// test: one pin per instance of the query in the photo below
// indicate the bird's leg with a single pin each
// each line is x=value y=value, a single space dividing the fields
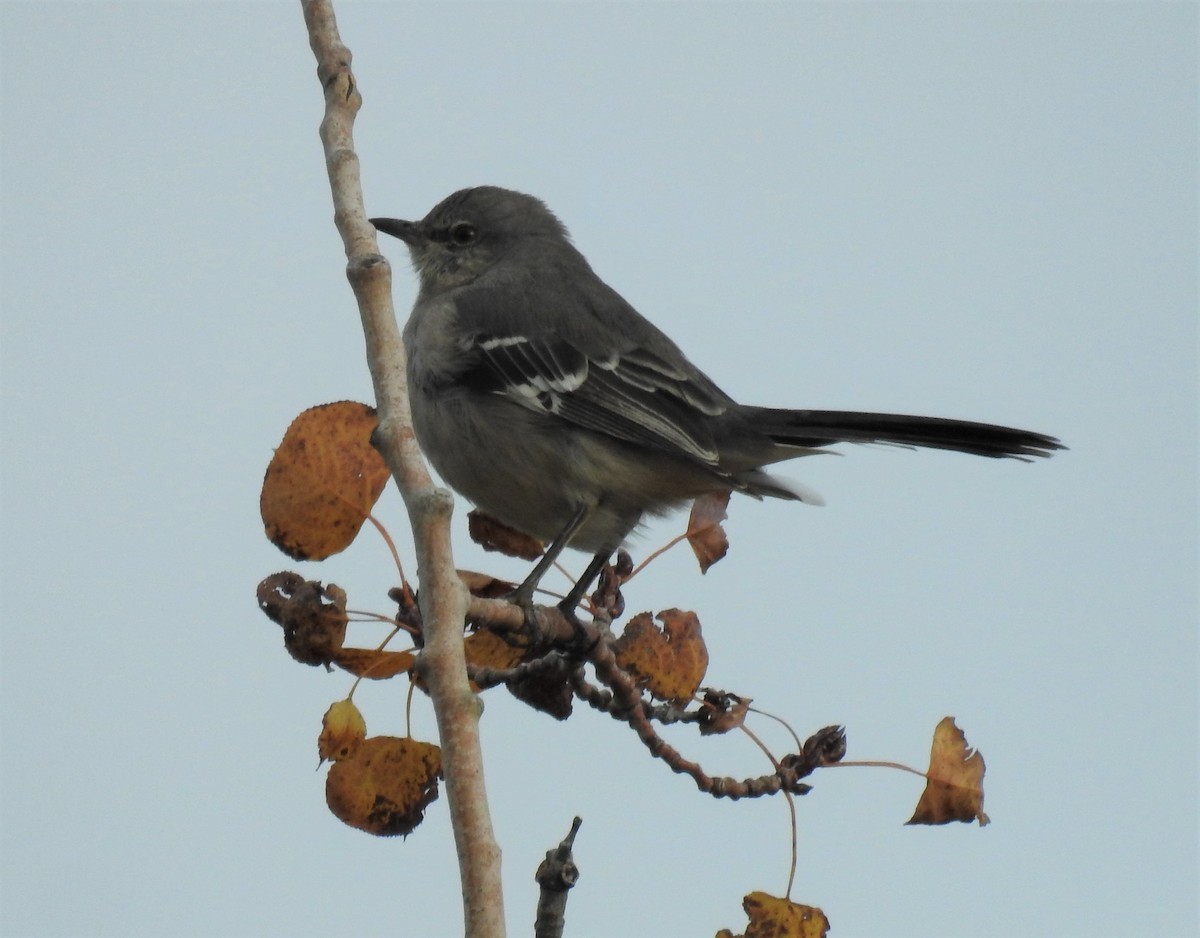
x=523 y=594
x=568 y=606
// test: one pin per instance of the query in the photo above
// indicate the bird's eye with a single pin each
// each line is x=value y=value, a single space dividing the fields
x=462 y=233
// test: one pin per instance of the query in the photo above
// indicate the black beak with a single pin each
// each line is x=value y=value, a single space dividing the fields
x=406 y=231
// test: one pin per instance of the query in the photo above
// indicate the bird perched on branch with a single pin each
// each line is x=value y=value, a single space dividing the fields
x=542 y=396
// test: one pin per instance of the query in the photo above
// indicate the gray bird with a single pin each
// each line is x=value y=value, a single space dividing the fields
x=549 y=402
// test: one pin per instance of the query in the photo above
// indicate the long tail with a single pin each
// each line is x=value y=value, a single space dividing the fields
x=825 y=427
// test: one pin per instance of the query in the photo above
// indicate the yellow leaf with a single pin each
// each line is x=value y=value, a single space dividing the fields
x=772 y=917
x=342 y=729
x=954 y=786
x=385 y=785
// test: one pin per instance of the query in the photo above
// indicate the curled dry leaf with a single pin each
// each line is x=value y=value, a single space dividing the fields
x=607 y=596
x=384 y=787
x=322 y=481
x=547 y=689
x=342 y=729
x=705 y=533
x=824 y=747
x=772 y=917
x=670 y=663
x=493 y=535
x=313 y=616
x=954 y=787
x=372 y=664
x=721 y=711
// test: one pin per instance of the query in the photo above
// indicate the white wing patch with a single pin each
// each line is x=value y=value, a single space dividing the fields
x=635 y=396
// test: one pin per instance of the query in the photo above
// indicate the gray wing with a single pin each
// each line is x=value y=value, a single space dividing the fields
x=595 y=374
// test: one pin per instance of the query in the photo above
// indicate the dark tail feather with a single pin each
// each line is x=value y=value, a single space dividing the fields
x=825 y=427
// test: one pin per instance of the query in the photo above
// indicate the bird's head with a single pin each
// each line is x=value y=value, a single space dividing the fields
x=469 y=231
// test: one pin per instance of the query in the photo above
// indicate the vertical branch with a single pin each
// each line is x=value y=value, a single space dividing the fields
x=443 y=597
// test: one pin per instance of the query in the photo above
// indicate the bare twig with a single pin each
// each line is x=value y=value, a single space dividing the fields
x=623 y=701
x=556 y=875
x=443 y=598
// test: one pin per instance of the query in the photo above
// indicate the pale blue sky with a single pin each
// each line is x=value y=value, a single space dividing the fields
x=973 y=210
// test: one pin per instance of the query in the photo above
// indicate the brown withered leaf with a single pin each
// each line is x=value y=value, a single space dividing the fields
x=322 y=481
x=384 y=787
x=772 y=917
x=721 y=711
x=494 y=535
x=607 y=596
x=954 y=787
x=484 y=585
x=374 y=665
x=824 y=747
x=342 y=729
x=548 y=691
x=313 y=616
x=670 y=663
x=704 y=531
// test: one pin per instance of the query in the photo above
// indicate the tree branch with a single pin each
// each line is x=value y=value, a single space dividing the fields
x=556 y=875
x=442 y=596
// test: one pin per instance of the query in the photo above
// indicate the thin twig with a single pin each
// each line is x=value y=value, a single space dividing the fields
x=443 y=597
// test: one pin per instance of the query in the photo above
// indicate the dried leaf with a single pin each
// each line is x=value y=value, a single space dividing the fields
x=772 y=917
x=385 y=786
x=486 y=649
x=546 y=689
x=484 y=585
x=374 y=665
x=954 y=788
x=824 y=747
x=494 y=535
x=313 y=616
x=704 y=531
x=607 y=596
x=670 y=663
x=322 y=481
x=342 y=729
x=721 y=712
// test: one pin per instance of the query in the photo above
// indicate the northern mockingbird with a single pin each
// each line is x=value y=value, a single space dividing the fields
x=543 y=397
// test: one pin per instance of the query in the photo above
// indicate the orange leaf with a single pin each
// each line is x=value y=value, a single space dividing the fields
x=954 y=786
x=384 y=787
x=772 y=917
x=704 y=531
x=669 y=663
x=322 y=481
x=342 y=729
x=374 y=665
x=494 y=535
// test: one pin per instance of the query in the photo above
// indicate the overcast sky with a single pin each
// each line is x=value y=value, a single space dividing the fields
x=972 y=210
